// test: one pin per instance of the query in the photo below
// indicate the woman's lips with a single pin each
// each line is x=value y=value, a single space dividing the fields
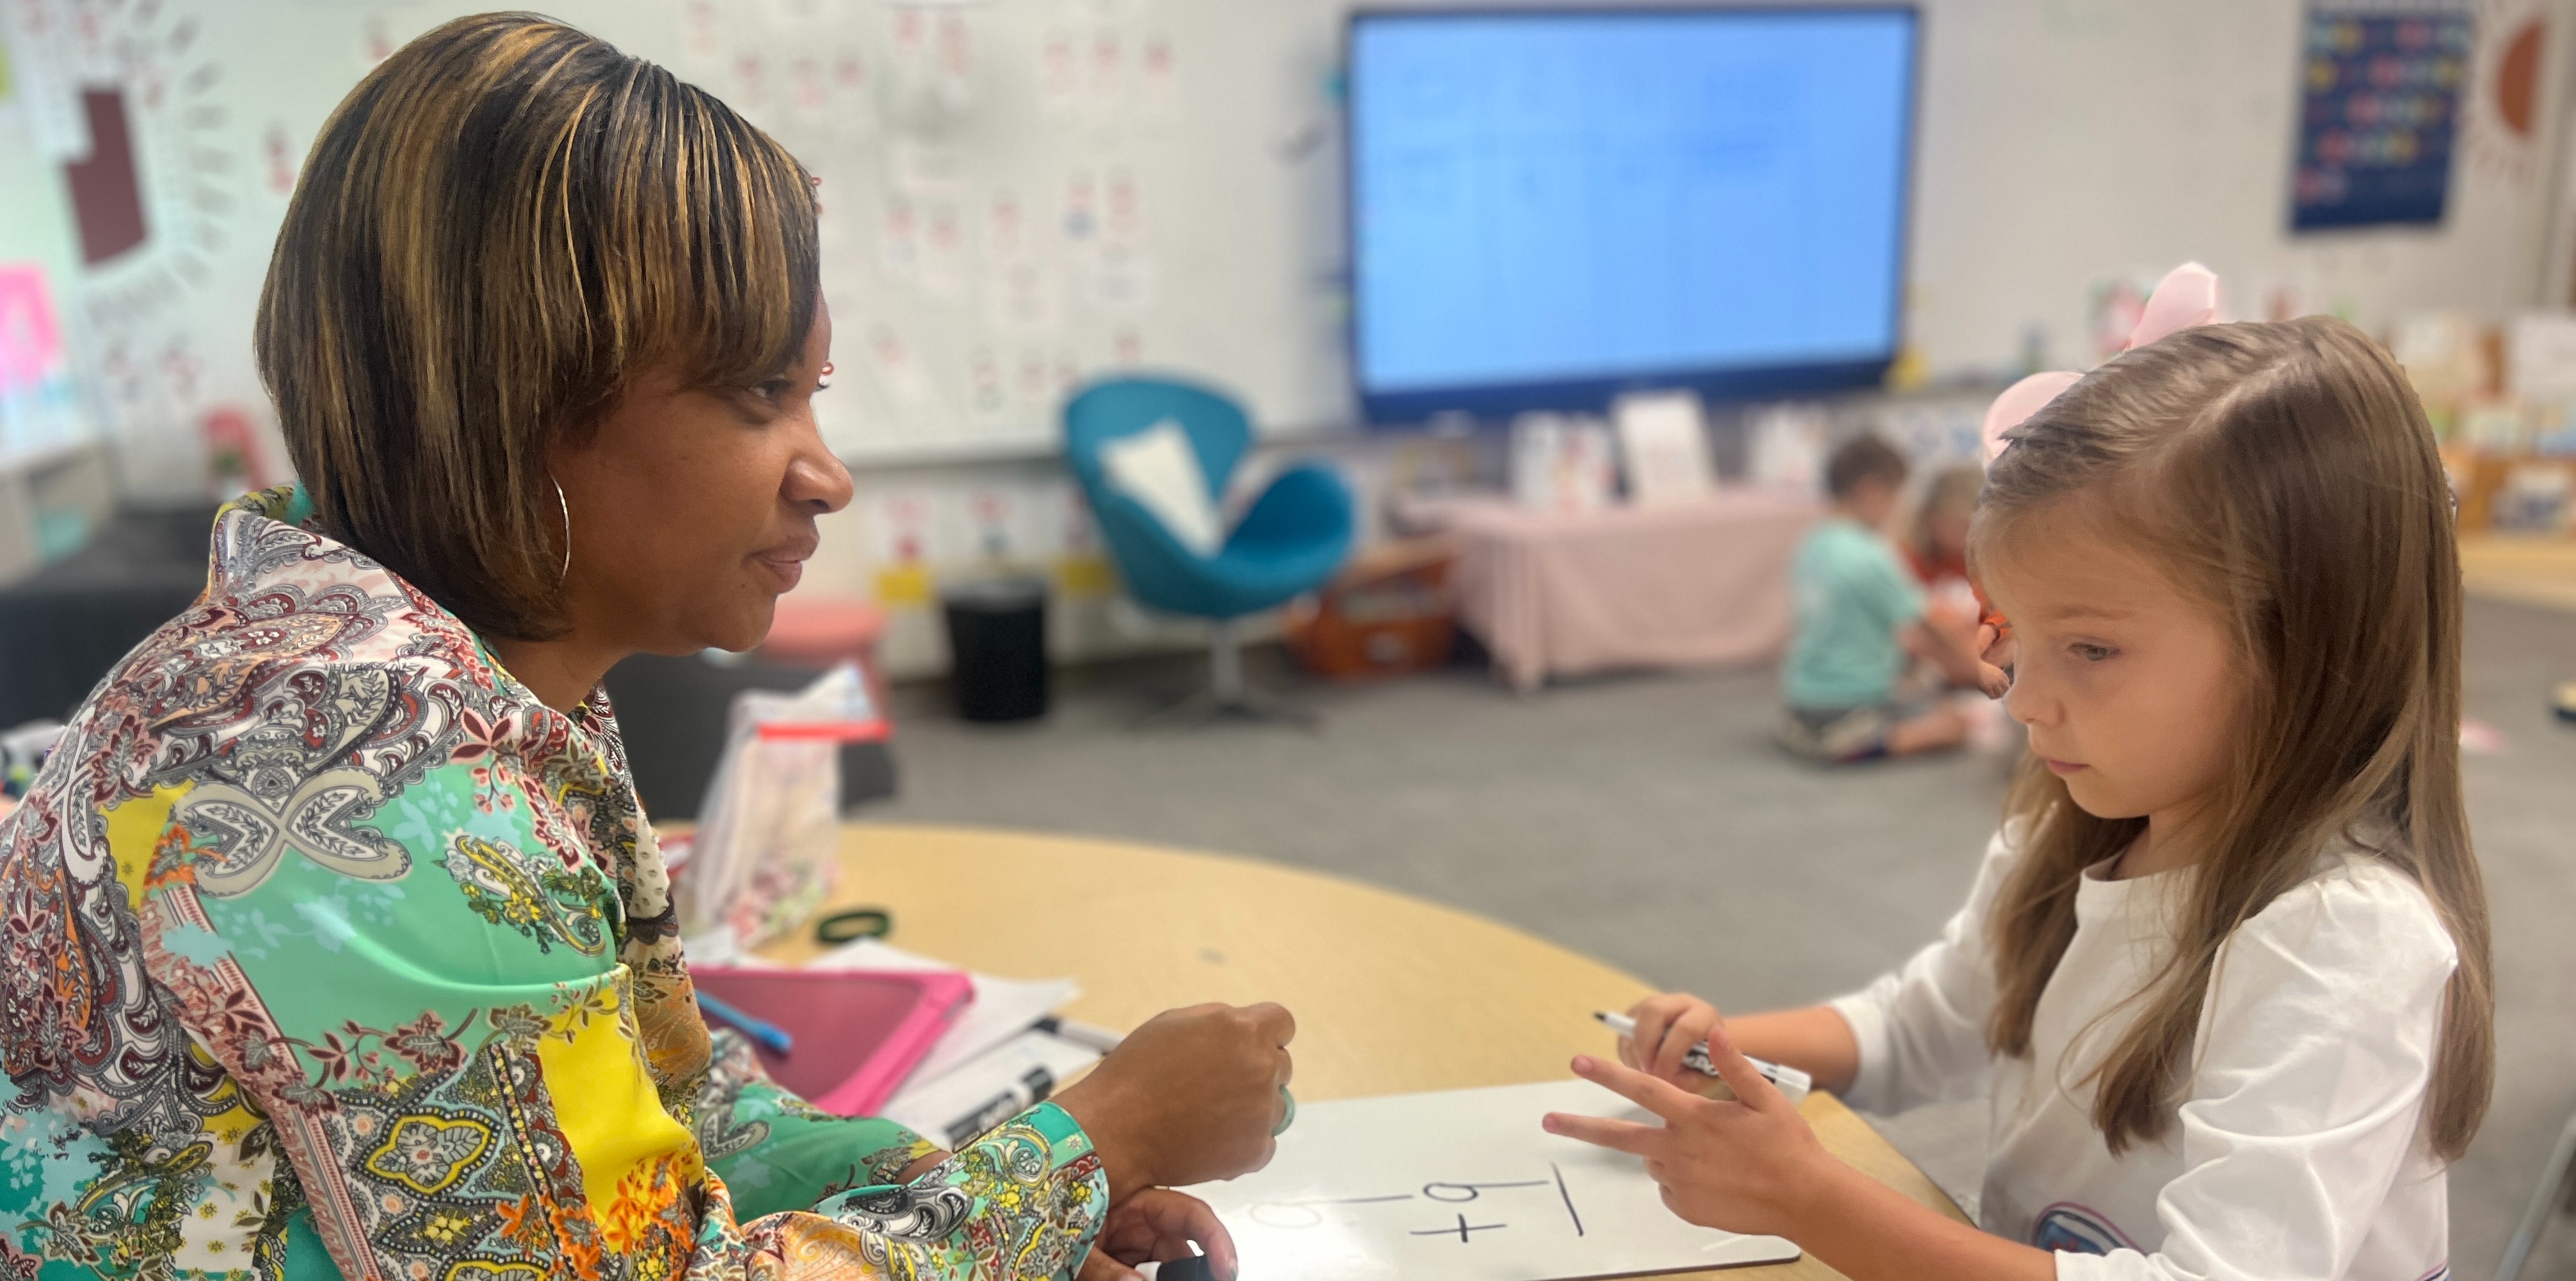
x=783 y=574
x=784 y=566
x=2063 y=768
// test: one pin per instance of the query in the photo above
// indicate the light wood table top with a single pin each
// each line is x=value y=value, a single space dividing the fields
x=1392 y=994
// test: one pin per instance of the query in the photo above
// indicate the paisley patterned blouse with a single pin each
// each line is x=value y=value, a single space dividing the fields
x=319 y=933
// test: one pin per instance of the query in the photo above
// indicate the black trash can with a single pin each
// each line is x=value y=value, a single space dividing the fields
x=997 y=661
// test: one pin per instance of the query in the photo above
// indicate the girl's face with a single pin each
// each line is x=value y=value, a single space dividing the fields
x=2130 y=688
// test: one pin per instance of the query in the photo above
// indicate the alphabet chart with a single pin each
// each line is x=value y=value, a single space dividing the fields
x=1463 y=1186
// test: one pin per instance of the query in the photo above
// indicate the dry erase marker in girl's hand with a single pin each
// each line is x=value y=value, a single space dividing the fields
x=1793 y=1083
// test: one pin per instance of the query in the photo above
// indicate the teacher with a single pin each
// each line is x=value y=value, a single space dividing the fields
x=332 y=928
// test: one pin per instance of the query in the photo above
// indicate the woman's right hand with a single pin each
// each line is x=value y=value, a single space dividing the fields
x=1667 y=1027
x=1191 y=1096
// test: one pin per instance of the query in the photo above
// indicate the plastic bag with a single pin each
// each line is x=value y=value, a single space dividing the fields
x=769 y=836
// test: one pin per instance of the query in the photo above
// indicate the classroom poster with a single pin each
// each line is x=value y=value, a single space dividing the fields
x=2381 y=85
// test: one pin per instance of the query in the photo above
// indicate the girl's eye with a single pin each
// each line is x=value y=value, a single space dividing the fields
x=2091 y=653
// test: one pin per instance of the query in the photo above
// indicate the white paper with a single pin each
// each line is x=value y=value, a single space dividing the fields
x=1560 y=464
x=1462 y=1186
x=1059 y=74
x=2542 y=363
x=1002 y=1008
x=992 y=1088
x=943 y=253
x=1663 y=440
x=1787 y=449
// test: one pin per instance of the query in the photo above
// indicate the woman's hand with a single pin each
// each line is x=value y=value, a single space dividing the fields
x=1749 y=1164
x=1157 y=1223
x=1191 y=1096
x=1667 y=1027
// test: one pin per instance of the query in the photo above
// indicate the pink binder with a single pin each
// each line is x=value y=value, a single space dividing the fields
x=858 y=1032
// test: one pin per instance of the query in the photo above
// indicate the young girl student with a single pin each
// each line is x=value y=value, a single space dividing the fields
x=2223 y=977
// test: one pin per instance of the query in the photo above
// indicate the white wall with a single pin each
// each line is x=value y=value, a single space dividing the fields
x=2062 y=143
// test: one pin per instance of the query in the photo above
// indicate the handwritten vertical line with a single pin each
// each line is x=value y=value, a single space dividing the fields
x=1568 y=1196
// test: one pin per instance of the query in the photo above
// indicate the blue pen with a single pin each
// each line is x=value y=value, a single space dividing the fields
x=770 y=1036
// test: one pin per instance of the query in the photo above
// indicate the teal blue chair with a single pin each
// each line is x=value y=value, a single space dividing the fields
x=1291 y=541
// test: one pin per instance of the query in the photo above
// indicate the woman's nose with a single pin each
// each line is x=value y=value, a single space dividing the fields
x=818 y=480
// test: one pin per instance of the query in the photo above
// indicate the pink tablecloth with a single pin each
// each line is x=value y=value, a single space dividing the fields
x=1690 y=584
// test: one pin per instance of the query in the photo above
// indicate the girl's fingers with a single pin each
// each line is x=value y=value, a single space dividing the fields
x=1685 y=1033
x=1993 y=681
x=1600 y=1131
x=1752 y=1089
x=1653 y=1016
x=1652 y=1093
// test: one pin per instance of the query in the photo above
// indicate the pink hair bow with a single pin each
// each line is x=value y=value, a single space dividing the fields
x=2187 y=296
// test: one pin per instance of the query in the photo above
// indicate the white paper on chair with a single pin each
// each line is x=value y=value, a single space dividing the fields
x=1462 y=1185
x=1159 y=468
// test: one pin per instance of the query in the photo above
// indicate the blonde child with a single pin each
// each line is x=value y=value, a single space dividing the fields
x=2223 y=977
x=1936 y=539
x=1936 y=550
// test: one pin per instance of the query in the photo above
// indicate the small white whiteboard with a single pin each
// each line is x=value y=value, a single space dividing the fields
x=1462 y=1186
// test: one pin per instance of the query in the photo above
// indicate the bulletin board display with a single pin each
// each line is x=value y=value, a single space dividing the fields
x=1016 y=195
x=2380 y=95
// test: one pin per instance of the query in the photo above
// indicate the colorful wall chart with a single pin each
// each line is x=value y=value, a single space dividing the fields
x=2381 y=83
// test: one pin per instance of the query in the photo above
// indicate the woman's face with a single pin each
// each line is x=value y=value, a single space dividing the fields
x=692 y=511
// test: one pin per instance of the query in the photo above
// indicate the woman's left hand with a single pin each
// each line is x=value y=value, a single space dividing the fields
x=1157 y=1223
x=1749 y=1164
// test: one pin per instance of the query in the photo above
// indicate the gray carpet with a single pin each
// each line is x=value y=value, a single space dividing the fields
x=1647 y=821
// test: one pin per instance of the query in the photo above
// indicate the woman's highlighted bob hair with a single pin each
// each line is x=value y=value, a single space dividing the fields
x=496 y=230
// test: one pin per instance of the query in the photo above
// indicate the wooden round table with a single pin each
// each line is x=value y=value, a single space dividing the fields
x=1392 y=994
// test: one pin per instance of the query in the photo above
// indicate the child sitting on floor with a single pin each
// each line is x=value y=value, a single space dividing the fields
x=1936 y=550
x=1860 y=616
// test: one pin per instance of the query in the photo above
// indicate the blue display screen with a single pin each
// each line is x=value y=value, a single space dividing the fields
x=1554 y=197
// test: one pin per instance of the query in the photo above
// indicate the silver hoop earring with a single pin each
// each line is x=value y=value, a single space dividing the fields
x=566 y=509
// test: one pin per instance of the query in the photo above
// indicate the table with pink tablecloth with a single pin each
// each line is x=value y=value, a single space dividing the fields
x=1565 y=593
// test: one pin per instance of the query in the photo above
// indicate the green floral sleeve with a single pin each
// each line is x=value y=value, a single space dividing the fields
x=777 y=1152
x=1024 y=1200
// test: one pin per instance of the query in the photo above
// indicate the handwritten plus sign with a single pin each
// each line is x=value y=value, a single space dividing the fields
x=1464 y=1229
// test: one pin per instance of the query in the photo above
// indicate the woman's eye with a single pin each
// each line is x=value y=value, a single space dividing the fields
x=774 y=390
x=2091 y=653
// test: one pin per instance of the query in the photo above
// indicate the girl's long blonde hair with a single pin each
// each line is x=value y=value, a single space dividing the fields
x=2284 y=474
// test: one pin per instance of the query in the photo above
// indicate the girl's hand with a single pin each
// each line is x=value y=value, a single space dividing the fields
x=1994 y=658
x=1157 y=1223
x=1748 y=1165
x=1667 y=1027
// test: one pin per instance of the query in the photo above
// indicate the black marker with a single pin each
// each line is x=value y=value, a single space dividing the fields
x=1194 y=1268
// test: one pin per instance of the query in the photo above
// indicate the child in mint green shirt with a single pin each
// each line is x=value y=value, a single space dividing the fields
x=1860 y=625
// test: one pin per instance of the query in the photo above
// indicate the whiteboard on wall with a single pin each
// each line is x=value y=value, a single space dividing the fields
x=1017 y=195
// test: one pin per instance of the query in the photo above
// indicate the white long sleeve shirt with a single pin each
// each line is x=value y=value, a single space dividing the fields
x=2295 y=1153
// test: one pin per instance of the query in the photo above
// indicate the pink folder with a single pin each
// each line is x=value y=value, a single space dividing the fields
x=858 y=1032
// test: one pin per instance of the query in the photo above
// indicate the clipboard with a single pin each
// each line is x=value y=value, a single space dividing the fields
x=858 y=1033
